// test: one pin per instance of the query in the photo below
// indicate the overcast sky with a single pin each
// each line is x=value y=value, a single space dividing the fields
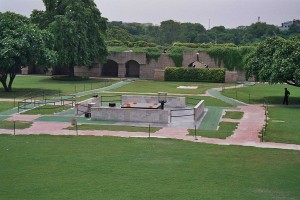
x=229 y=13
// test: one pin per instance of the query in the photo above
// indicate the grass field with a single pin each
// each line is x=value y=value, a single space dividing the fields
x=283 y=125
x=46 y=110
x=25 y=86
x=170 y=87
x=258 y=93
x=233 y=115
x=225 y=130
x=6 y=105
x=14 y=125
x=114 y=128
x=65 y=167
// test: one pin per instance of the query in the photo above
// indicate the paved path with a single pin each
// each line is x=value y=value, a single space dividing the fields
x=246 y=133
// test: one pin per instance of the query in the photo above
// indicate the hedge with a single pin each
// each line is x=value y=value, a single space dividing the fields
x=188 y=74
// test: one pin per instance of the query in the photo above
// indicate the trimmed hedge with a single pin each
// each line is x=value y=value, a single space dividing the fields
x=187 y=74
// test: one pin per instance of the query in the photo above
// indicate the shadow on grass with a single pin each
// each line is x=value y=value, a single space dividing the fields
x=21 y=93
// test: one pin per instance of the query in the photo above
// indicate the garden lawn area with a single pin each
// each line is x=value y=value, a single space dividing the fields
x=233 y=115
x=114 y=128
x=225 y=130
x=46 y=110
x=6 y=105
x=283 y=125
x=18 y=125
x=144 y=86
x=208 y=101
x=70 y=167
x=26 y=86
x=257 y=93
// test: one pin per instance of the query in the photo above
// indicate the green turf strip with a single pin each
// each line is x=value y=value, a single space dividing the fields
x=70 y=167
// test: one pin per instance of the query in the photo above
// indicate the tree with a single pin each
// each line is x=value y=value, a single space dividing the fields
x=169 y=31
x=79 y=31
x=21 y=44
x=276 y=60
x=118 y=33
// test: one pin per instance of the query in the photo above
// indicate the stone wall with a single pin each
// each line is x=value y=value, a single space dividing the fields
x=190 y=57
x=199 y=110
x=154 y=69
x=130 y=115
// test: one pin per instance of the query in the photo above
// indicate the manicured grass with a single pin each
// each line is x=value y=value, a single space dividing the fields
x=6 y=105
x=225 y=130
x=233 y=115
x=283 y=125
x=17 y=125
x=165 y=86
x=114 y=128
x=26 y=86
x=208 y=101
x=70 y=167
x=46 y=110
x=256 y=94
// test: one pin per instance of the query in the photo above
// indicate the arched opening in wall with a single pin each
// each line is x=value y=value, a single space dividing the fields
x=132 y=69
x=198 y=64
x=110 y=68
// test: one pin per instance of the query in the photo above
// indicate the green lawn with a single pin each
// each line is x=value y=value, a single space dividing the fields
x=17 y=125
x=46 y=110
x=208 y=101
x=144 y=86
x=25 y=86
x=233 y=115
x=70 y=167
x=5 y=105
x=283 y=125
x=225 y=130
x=114 y=128
x=257 y=93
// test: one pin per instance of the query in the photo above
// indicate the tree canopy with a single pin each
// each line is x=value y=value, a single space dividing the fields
x=21 y=44
x=276 y=60
x=79 y=31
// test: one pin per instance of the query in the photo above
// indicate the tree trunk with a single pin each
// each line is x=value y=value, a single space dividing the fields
x=3 y=81
x=12 y=77
x=71 y=71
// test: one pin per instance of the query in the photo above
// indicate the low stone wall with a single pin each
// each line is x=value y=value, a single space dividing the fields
x=130 y=115
x=174 y=102
x=199 y=110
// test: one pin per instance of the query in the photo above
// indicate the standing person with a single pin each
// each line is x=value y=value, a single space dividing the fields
x=286 y=96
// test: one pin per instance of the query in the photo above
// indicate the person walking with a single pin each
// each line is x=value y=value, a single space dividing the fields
x=286 y=96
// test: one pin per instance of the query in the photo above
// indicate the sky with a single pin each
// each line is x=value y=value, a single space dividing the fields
x=209 y=13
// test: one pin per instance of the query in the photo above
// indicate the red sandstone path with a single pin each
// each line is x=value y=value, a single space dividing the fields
x=246 y=133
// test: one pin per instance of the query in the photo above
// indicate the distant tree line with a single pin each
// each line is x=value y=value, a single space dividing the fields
x=171 y=31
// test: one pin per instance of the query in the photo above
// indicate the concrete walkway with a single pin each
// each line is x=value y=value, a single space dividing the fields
x=246 y=133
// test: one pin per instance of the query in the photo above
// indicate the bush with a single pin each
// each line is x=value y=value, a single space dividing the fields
x=186 y=74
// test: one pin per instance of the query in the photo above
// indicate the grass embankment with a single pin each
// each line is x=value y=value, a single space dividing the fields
x=14 y=125
x=6 y=105
x=258 y=93
x=283 y=125
x=233 y=115
x=143 y=86
x=114 y=128
x=70 y=167
x=46 y=110
x=27 y=86
x=225 y=130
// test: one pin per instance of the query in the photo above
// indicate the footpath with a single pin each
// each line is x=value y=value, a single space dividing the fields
x=246 y=133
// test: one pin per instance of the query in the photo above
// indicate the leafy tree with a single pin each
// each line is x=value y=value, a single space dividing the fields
x=78 y=29
x=169 y=31
x=118 y=33
x=21 y=44
x=276 y=60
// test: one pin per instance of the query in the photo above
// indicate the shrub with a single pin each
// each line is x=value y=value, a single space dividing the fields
x=186 y=74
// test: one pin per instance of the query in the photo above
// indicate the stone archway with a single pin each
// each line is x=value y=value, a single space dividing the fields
x=110 y=68
x=132 y=69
